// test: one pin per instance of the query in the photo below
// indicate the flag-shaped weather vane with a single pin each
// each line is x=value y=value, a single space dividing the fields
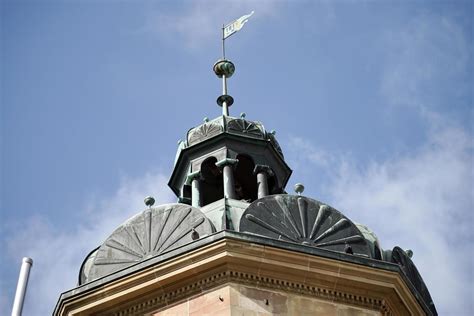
x=224 y=68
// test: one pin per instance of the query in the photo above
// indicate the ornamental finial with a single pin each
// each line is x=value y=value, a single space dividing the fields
x=224 y=68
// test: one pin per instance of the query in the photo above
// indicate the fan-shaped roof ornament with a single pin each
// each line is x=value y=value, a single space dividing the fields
x=150 y=233
x=305 y=221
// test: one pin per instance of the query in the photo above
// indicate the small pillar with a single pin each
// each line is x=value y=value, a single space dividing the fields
x=195 y=193
x=227 y=166
x=263 y=172
x=194 y=179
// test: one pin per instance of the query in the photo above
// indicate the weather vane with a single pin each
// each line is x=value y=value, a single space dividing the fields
x=224 y=68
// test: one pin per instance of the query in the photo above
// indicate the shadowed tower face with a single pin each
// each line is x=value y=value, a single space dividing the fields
x=236 y=242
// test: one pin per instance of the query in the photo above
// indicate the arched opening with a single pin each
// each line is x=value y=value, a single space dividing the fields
x=272 y=185
x=186 y=194
x=245 y=179
x=212 y=186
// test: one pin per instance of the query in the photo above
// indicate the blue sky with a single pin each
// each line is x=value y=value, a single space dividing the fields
x=372 y=103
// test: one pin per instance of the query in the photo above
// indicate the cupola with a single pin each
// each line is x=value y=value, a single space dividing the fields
x=228 y=161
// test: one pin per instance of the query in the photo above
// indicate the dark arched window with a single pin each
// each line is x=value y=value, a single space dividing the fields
x=245 y=179
x=273 y=187
x=212 y=186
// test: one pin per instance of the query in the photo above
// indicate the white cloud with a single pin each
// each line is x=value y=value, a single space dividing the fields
x=58 y=252
x=307 y=151
x=421 y=200
x=201 y=21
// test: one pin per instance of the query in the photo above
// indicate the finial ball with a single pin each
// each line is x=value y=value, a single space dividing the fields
x=149 y=201
x=299 y=188
x=224 y=67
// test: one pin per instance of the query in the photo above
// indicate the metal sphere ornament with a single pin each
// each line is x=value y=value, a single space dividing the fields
x=149 y=201
x=224 y=67
x=299 y=188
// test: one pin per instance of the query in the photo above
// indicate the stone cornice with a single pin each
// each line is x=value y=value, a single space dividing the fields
x=228 y=259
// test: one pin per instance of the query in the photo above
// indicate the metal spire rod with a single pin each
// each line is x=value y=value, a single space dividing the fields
x=223 y=42
x=224 y=68
x=225 y=108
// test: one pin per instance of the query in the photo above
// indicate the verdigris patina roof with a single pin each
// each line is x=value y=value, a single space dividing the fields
x=150 y=233
x=231 y=125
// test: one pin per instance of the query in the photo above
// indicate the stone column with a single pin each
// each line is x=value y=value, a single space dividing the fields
x=194 y=179
x=263 y=172
x=227 y=166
